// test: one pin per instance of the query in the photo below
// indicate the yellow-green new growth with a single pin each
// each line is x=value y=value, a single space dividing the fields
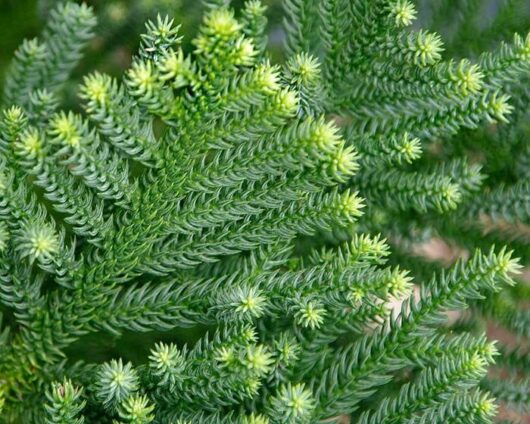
x=310 y=314
x=221 y=23
x=287 y=101
x=141 y=78
x=255 y=7
x=14 y=116
x=115 y=383
x=293 y=404
x=37 y=241
x=326 y=135
x=400 y=283
x=226 y=356
x=244 y=52
x=468 y=77
x=304 y=69
x=286 y=350
x=258 y=359
x=351 y=204
x=96 y=88
x=500 y=107
x=487 y=406
x=410 y=148
x=166 y=364
x=250 y=301
x=256 y=419
x=403 y=12
x=267 y=78
x=174 y=66
x=451 y=195
x=4 y=237
x=65 y=129
x=425 y=47
x=345 y=163
x=30 y=143
x=65 y=403
x=137 y=409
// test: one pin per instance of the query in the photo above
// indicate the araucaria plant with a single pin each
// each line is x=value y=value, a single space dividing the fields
x=280 y=211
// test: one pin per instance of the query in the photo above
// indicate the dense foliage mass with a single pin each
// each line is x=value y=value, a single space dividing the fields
x=280 y=212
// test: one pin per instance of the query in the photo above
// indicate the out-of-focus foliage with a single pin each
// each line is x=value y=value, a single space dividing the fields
x=18 y=20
